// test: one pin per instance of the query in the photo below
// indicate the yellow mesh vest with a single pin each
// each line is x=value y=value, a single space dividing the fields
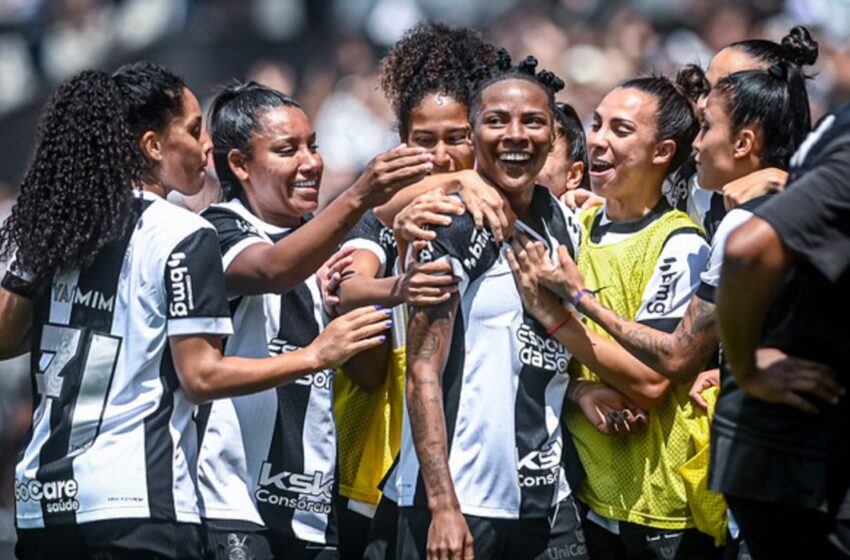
x=633 y=477
x=368 y=424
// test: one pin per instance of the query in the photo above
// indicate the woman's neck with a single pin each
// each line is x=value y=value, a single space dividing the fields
x=155 y=188
x=277 y=219
x=631 y=209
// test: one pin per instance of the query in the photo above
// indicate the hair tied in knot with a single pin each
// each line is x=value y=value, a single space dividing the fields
x=778 y=71
x=503 y=59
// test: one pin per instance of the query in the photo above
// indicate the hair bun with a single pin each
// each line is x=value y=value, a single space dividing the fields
x=691 y=82
x=550 y=80
x=779 y=70
x=528 y=65
x=503 y=59
x=802 y=49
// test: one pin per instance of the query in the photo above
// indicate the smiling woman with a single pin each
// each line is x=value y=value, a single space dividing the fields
x=484 y=453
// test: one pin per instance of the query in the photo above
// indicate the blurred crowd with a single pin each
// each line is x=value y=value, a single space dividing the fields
x=326 y=53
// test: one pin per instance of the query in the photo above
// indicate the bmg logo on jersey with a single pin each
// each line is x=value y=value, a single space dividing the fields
x=180 y=282
x=59 y=495
x=540 y=467
x=541 y=352
x=317 y=489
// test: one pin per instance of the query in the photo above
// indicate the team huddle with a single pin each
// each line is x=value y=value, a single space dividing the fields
x=508 y=338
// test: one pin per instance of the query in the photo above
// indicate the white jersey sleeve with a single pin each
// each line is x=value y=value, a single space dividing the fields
x=674 y=281
x=710 y=277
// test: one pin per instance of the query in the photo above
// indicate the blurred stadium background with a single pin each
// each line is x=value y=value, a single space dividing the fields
x=326 y=53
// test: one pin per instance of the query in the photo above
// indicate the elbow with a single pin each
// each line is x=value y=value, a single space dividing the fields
x=678 y=370
x=740 y=253
x=198 y=387
x=651 y=394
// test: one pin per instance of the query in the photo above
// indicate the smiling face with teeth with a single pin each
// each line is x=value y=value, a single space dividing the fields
x=282 y=172
x=513 y=136
x=627 y=160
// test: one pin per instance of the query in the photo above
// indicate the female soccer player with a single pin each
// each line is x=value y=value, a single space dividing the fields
x=643 y=258
x=424 y=79
x=121 y=299
x=480 y=469
x=267 y=465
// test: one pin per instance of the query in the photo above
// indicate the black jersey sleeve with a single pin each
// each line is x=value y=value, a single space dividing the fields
x=196 y=302
x=812 y=217
x=370 y=234
x=235 y=233
x=20 y=282
x=471 y=251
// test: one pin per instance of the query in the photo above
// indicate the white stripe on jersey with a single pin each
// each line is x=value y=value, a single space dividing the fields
x=491 y=477
x=130 y=416
x=234 y=477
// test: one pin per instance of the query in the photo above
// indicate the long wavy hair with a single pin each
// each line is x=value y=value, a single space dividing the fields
x=76 y=196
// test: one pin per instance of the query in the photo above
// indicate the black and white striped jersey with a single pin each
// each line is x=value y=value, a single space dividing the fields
x=270 y=458
x=504 y=381
x=112 y=434
x=370 y=234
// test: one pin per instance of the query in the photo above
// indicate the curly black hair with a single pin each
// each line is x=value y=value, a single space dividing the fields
x=76 y=196
x=431 y=58
x=502 y=69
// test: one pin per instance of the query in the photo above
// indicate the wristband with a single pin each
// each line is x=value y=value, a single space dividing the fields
x=583 y=292
x=554 y=328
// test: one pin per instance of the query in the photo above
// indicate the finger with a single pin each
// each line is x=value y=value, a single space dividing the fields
x=405 y=160
x=798 y=402
x=495 y=223
x=569 y=199
x=371 y=330
x=340 y=255
x=435 y=267
x=475 y=210
x=400 y=152
x=365 y=315
x=512 y=262
x=406 y=175
x=816 y=387
x=411 y=233
x=433 y=218
x=431 y=281
x=442 y=205
x=468 y=548
x=696 y=396
x=430 y=301
x=564 y=253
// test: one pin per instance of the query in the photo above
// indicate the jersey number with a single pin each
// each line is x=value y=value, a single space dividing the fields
x=61 y=350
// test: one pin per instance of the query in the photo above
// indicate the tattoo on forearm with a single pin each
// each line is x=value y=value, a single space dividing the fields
x=694 y=339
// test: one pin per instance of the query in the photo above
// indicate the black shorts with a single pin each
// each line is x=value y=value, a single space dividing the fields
x=558 y=536
x=290 y=548
x=353 y=531
x=116 y=539
x=383 y=532
x=235 y=540
x=647 y=543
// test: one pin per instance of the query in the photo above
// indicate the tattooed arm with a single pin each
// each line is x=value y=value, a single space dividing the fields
x=429 y=337
x=679 y=355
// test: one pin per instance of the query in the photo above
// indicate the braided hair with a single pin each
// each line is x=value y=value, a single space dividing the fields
x=484 y=76
x=431 y=58
x=76 y=196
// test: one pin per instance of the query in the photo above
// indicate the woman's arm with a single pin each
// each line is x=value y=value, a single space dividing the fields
x=277 y=268
x=428 y=341
x=15 y=324
x=206 y=374
x=604 y=357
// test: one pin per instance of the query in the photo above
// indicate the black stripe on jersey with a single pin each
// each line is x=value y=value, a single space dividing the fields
x=159 y=447
x=92 y=309
x=298 y=329
x=538 y=476
x=545 y=207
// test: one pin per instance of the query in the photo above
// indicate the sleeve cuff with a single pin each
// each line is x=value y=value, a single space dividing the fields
x=231 y=254
x=372 y=247
x=200 y=325
x=706 y=292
